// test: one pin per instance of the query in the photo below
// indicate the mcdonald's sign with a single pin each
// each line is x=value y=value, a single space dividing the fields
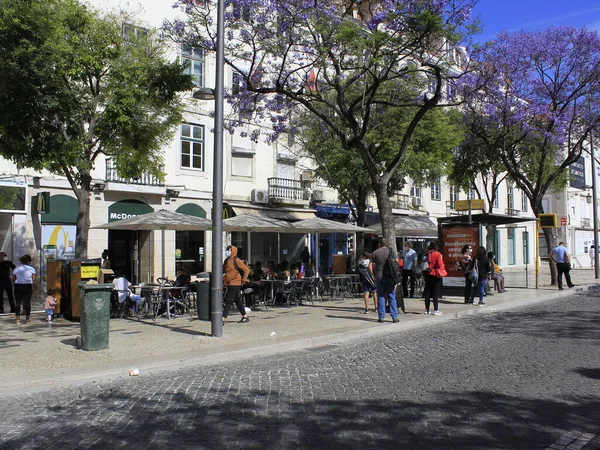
x=43 y=203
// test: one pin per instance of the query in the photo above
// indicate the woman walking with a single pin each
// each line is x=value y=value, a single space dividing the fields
x=484 y=273
x=25 y=286
x=467 y=263
x=436 y=271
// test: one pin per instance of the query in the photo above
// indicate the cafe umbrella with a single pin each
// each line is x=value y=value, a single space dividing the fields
x=159 y=220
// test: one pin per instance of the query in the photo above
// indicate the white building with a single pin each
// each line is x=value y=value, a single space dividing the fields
x=258 y=179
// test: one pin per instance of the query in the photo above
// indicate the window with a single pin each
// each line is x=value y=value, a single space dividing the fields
x=496 y=203
x=524 y=202
x=193 y=61
x=436 y=190
x=242 y=165
x=510 y=196
x=237 y=83
x=192 y=146
x=471 y=194
x=415 y=191
x=241 y=12
x=454 y=196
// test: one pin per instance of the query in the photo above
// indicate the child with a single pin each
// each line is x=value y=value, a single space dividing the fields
x=50 y=304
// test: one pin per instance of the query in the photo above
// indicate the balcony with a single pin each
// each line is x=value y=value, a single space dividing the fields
x=145 y=179
x=513 y=212
x=287 y=191
x=400 y=201
x=586 y=223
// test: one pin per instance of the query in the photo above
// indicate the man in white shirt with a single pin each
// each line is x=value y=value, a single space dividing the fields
x=408 y=271
x=122 y=286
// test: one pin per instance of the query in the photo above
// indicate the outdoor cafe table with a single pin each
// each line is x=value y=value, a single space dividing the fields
x=163 y=293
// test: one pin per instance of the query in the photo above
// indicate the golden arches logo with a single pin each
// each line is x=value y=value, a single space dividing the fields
x=55 y=235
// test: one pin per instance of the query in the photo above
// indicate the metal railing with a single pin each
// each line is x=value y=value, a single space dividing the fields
x=513 y=212
x=586 y=223
x=145 y=178
x=287 y=189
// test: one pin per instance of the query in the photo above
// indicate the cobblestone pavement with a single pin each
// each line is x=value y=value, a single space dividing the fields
x=527 y=378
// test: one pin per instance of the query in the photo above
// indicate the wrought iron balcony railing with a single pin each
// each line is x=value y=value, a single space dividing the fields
x=145 y=178
x=586 y=223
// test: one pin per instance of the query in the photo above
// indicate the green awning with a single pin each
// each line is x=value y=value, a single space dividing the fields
x=63 y=210
x=126 y=209
x=191 y=209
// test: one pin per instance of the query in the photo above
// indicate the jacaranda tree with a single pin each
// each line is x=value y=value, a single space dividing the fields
x=74 y=87
x=538 y=105
x=348 y=63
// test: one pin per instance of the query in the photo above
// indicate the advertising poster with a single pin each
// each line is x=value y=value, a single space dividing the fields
x=454 y=238
x=58 y=242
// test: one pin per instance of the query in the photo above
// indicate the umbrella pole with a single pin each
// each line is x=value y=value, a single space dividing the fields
x=162 y=235
x=249 y=239
x=278 y=248
x=317 y=257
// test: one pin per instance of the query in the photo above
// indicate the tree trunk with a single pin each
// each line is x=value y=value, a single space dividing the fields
x=385 y=214
x=83 y=223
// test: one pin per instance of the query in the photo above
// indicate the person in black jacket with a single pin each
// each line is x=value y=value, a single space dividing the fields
x=6 y=268
x=484 y=272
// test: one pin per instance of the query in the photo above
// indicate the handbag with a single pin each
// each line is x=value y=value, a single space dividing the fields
x=474 y=274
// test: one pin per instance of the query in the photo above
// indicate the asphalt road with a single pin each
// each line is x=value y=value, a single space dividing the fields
x=524 y=379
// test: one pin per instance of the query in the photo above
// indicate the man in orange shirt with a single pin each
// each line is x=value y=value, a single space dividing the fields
x=235 y=274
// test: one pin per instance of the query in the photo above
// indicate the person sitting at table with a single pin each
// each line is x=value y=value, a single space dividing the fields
x=235 y=275
x=257 y=273
x=122 y=286
x=182 y=280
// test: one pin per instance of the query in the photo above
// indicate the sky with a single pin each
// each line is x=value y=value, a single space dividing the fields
x=514 y=15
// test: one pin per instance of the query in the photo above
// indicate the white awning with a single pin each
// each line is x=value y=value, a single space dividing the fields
x=280 y=213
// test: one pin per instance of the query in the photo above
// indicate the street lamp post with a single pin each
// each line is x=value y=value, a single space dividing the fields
x=216 y=317
x=594 y=207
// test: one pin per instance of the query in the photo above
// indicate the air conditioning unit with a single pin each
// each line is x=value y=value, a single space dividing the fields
x=417 y=201
x=317 y=196
x=259 y=196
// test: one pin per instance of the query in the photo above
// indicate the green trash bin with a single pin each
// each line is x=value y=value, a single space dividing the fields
x=95 y=315
x=203 y=295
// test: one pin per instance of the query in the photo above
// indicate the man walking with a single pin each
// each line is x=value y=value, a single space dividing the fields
x=6 y=268
x=385 y=287
x=408 y=271
x=561 y=257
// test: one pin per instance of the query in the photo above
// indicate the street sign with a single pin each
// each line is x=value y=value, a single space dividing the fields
x=563 y=221
x=463 y=205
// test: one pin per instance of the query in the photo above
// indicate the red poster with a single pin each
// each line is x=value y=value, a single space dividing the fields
x=454 y=238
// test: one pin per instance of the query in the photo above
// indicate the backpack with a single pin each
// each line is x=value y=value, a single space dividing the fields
x=391 y=269
x=425 y=262
x=235 y=264
x=474 y=275
x=460 y=267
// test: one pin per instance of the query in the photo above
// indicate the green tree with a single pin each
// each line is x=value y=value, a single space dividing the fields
x=348 y=63
x=428 y=158
x=74 y=87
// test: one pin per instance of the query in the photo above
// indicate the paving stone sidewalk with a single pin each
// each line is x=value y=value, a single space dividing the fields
x=38 y=355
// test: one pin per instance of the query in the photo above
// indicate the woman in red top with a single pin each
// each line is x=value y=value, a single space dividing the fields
x=436 y=271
